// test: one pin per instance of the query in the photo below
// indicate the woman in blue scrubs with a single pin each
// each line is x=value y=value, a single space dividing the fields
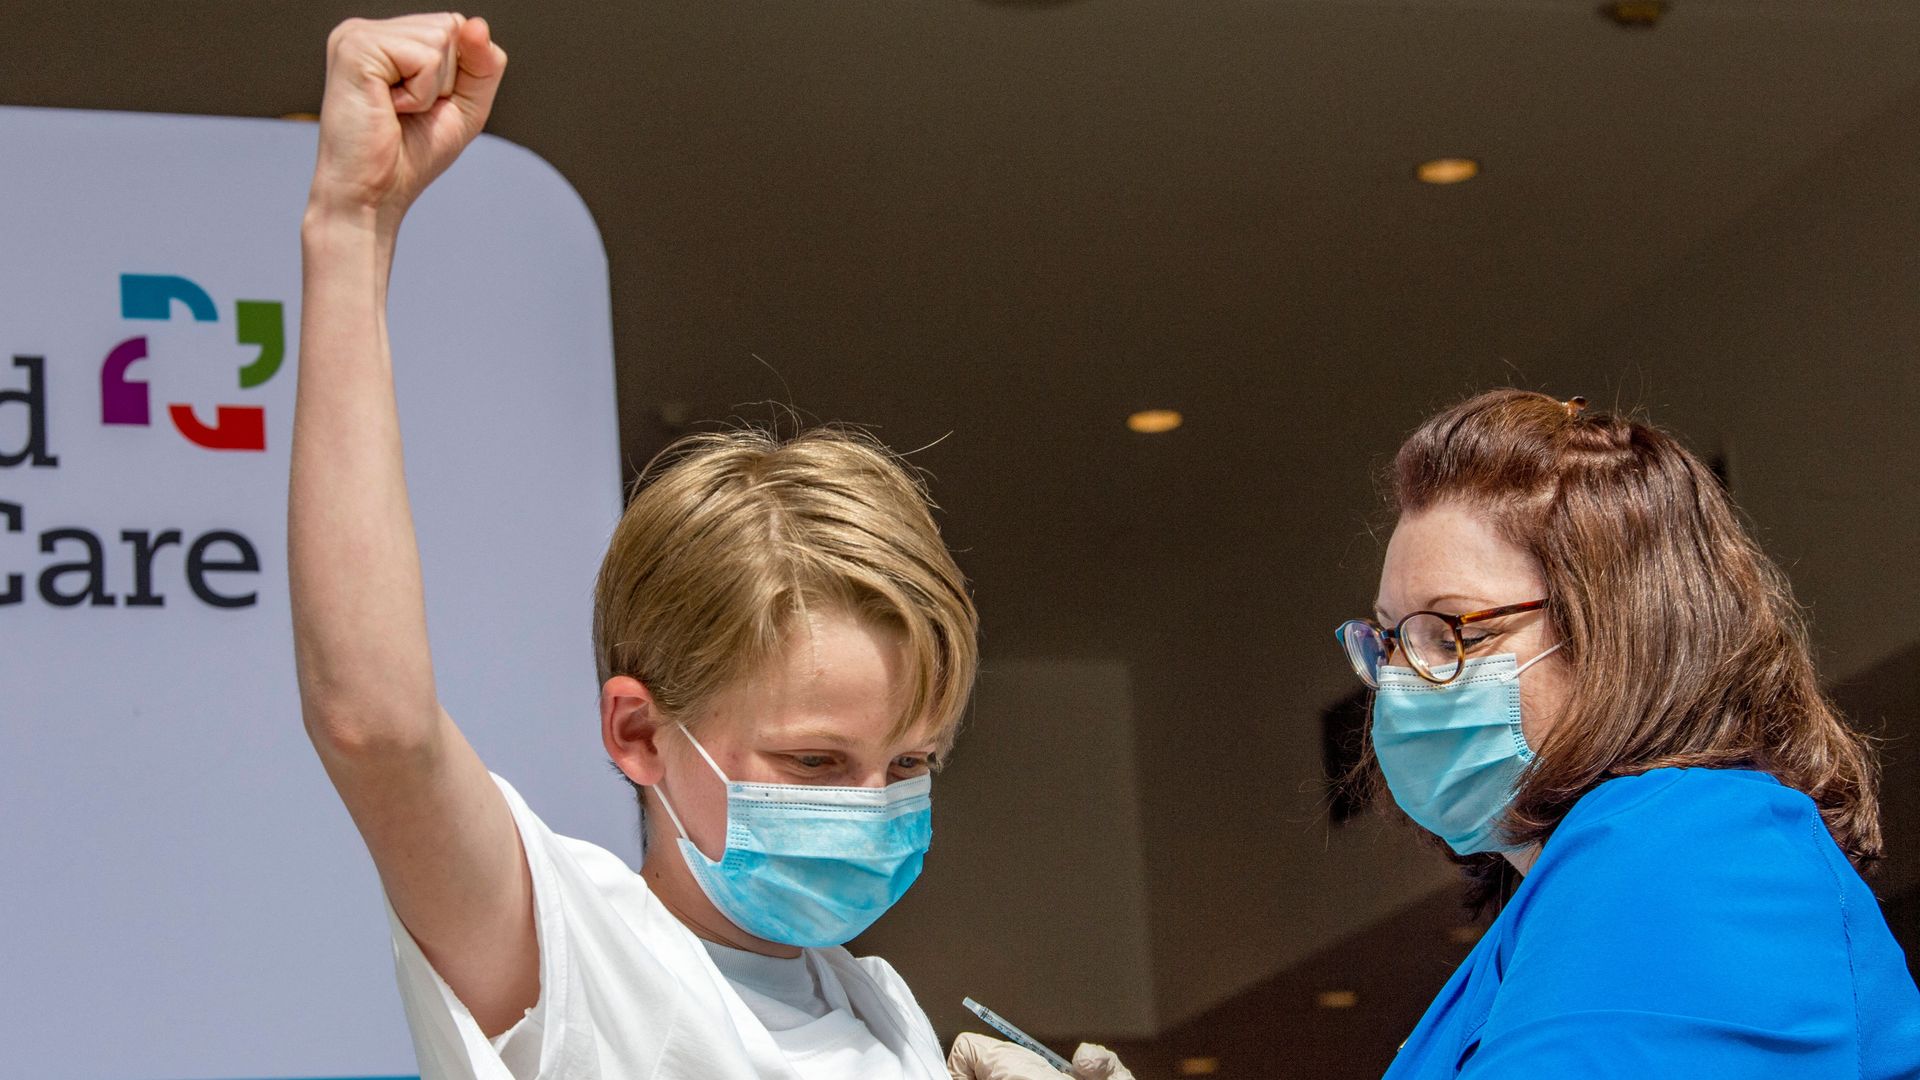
x=1588 y=678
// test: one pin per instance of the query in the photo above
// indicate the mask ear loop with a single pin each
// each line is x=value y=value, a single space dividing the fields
x=1542 y=656
x=662 y=791
x=709 y=757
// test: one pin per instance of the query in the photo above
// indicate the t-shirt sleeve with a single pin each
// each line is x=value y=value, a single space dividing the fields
x=1687 y=924
x=447 y=1040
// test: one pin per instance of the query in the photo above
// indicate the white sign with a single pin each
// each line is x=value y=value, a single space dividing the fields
x=181 y=895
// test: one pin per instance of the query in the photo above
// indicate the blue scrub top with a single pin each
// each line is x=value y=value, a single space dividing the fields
x=1694 y=923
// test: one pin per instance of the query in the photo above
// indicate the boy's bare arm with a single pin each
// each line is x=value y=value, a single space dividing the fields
x=403 y=98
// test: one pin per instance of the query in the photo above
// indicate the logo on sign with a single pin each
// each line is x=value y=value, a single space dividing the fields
x=257 y=323
x=78 y=566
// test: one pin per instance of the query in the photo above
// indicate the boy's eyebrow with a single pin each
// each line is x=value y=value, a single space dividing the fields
x=814 y=735
x=826 y=736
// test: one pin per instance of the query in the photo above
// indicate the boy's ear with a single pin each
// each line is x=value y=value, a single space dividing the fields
x=631 y=725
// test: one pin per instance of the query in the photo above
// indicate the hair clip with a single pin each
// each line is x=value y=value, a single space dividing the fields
x=1574 y=406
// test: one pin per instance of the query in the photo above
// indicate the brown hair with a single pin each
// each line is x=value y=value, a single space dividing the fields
x=731 y=536
x=1685 y=643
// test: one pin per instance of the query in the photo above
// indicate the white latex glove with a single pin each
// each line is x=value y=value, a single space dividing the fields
x=1095 y=1062
x=980 y=1057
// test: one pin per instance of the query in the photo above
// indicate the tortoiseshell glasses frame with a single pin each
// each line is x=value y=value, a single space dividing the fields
x=1433 y=641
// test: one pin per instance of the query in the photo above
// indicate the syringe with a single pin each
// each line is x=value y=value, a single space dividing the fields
x=1016 y=1036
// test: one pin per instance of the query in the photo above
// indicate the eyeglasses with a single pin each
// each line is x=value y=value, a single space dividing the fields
x=1433 y=642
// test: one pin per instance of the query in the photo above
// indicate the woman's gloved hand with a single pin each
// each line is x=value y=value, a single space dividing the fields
x=1095 y=1062
x=979 y=1057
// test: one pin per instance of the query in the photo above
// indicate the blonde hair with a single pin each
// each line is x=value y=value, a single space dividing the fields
x=731 y=537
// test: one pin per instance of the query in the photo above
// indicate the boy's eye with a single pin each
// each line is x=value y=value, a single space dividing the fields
x=812 y=761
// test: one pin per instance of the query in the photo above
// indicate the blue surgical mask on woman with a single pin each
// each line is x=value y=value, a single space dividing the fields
x=1451 y=752
x=807 y=865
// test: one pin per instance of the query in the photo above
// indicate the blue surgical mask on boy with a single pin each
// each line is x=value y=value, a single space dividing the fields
x=811 y=866
x=1452 y=752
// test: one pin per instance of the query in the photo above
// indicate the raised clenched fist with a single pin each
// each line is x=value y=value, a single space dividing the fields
x=404 y=96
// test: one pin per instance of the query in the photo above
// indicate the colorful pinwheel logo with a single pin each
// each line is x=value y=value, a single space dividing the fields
x=260 y=323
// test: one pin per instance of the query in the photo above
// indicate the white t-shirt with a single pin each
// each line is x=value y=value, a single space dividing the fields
x=627 y=992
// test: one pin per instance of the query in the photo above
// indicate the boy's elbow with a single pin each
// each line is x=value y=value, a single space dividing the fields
x=356 y=730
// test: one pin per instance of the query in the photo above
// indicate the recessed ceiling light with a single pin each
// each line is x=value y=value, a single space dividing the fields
x=1447 y=170
x=1336 y=999
x=1154 y=421
x=1198 y=1066
x=1635 y=14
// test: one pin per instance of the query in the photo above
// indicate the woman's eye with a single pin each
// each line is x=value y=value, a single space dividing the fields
x=812 y=761
x=1468 y=641
x=912 y=763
